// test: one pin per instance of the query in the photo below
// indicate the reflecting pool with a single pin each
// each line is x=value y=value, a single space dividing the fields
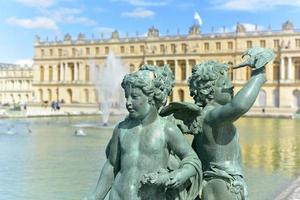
x=43 y=159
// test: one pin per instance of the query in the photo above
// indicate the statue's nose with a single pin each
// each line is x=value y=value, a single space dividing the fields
x=128 y=101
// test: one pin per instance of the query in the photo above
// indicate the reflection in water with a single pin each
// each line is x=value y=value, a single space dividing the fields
x=271 y=144
x=52 y=163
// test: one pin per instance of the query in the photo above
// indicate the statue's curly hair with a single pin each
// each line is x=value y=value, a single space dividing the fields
x=155 y=82
x=204 y=77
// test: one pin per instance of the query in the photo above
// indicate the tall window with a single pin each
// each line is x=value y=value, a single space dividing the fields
x=51 y=52
x=58 y=73
x=131 y=49
x=106 y=50
x=59 y=52
x=50 y=73
x=162 y=48
x=87 y=72
x=297 y=43
x=276 y=43
x=230 y=45
x=42 y=52
x=87 y=51
x=142 y=48
x=122 y=49
x=41 y=73
x=97 y=50
x=206 y=46
x=184 y=48
x=263 y=43
x=173 y=48
x=218 y=46
x=249 y=44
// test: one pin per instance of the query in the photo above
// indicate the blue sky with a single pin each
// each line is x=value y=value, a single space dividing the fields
x=21 y=20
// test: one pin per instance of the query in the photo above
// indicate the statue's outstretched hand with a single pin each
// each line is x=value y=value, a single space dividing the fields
x=257 y=57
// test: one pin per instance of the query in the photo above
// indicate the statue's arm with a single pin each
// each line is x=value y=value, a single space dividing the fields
x=240 y=103
x=180 y=146
x=110 y=168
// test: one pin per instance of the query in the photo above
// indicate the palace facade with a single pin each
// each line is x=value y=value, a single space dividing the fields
x=15 y=84
x=62 y=69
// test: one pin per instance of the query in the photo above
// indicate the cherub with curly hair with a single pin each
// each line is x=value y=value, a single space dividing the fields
x=217 y=143
x=211 y=120
x=141 y=155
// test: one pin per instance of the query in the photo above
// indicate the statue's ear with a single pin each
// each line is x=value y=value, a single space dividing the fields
x=151 y=100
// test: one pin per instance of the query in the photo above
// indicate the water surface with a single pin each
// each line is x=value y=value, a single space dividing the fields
x=44 y=160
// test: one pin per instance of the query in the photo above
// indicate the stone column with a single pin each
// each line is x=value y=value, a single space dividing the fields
x=46 y=73
x=290 y=67
x=282 y=69
x=54 y=73
x=187 y=69
x=66 y=73
x=76 y=71
x=61 y=71
x=175 y=69
x=81 y=72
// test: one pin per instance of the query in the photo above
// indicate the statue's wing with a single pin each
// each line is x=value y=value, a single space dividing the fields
x=183 y=114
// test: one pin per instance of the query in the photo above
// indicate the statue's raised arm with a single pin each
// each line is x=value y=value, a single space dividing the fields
x=245 y=98
x=218 y=146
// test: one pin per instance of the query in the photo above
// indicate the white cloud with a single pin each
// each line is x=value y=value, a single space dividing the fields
x=51 y=19
x=139 y=13
x=100 y=10
x=24 y=62
x=145 y=2
x=71 y=19
x=253 y=5
x=70 y=16
x=35 y=23
x=37 y=3
x=60 y=12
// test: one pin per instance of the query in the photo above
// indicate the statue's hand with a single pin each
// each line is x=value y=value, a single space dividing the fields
x=257 y=57
x=261 y=70
x=176 y=179
x=155 y=178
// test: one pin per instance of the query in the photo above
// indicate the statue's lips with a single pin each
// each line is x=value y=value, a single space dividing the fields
x=131 y=110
